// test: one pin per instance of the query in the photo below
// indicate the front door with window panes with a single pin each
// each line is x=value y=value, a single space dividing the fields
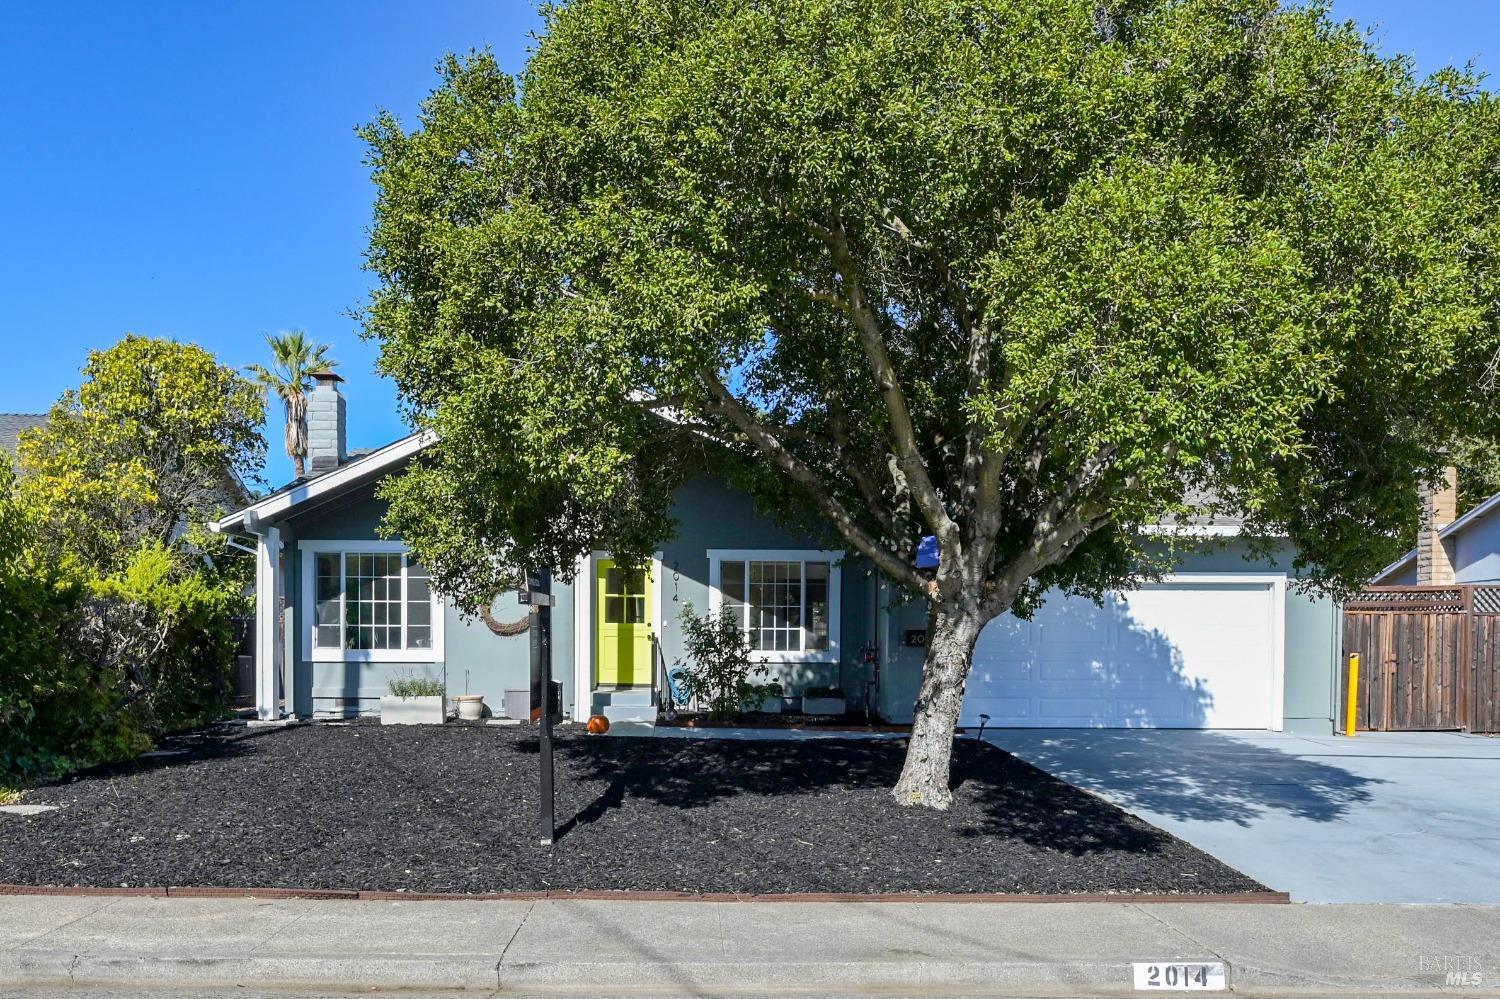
x=624 y=625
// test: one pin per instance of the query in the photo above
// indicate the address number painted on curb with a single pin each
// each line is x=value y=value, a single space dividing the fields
x=1159 y=976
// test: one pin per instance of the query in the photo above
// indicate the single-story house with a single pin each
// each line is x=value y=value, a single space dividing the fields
x=1223 y=643
x=1450 y=549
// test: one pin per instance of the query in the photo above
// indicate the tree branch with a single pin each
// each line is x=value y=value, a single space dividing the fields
x=725 y=404
x=903 y=432
x=863 y=481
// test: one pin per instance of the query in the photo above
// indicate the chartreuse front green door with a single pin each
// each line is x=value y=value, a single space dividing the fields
x=623 y=620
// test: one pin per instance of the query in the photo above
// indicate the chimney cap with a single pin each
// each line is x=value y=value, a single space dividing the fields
x=325 y=376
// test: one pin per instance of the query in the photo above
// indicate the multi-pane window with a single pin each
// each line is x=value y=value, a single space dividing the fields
x=783 y=604
x=624 y=596
x=370 y=601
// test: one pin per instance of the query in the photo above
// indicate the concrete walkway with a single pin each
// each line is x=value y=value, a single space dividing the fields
x=1384 y=817
x=706 y=948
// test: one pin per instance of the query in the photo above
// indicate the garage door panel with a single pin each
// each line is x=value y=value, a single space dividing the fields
x=1157 y=712
x=1069 y=710
x=1180 y=654
x=999 y=708
x=1060 y=670
x=1002 y=670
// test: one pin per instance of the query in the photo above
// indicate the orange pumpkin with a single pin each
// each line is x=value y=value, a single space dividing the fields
x=598 y=725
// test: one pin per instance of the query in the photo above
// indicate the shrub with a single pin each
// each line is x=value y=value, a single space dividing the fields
x=164 y=630
x=91 y=671
x=717 y=668
x=417 y=686
x=56 y=712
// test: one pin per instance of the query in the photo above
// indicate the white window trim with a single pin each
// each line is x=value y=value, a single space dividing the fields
x=718 y=556
x=308 y=609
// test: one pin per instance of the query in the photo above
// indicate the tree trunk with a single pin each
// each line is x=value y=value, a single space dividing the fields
x=951 y=634
x=296 y=432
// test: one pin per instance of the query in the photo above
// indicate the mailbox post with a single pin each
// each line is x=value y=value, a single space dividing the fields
x=538 y=596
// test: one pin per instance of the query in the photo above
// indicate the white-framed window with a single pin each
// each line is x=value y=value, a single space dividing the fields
x=787 y=601
x=367 y=601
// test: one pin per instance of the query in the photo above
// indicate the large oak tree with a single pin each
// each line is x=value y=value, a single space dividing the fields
x=1030 y=276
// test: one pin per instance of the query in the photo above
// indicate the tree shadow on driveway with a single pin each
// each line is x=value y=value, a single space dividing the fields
x=1193 y=775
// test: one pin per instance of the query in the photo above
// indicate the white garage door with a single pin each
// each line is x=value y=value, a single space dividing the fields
x=1186 y=653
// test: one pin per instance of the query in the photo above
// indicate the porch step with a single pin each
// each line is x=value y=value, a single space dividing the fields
x=620 y=696
x=645 y=713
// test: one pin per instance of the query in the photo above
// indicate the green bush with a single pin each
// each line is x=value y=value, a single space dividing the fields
x=165 y=631
x=718 y=667
x=92 y=670
x=56 y=712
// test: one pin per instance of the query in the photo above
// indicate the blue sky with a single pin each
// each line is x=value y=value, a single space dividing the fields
x=190 y=169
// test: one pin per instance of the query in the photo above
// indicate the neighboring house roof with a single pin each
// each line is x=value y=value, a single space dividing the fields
x=11 y=425
x=1479 y=512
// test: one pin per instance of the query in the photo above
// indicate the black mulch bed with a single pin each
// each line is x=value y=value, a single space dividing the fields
x=454 y=809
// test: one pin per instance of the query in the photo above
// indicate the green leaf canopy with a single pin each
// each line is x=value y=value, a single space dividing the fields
x=1028 y=275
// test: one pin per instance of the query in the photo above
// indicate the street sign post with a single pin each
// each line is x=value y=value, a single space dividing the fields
x=538 y=595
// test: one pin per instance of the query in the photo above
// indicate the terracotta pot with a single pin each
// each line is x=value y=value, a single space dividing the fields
x=598 y=725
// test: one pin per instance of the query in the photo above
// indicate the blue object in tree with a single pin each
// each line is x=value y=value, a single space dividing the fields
x=927 y=552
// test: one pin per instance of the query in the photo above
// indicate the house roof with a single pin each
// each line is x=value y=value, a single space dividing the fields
x=367 y=464
x=1474 y=515
x=11 y=425
x=361 y=467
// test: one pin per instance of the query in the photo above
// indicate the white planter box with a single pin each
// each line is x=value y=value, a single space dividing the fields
x=822 y=705
x=413 y=710
x=770 y=706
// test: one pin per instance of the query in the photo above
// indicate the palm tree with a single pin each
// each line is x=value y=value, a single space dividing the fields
x=294 y=359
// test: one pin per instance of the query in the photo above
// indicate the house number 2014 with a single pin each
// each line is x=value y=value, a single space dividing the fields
x=1157 y=976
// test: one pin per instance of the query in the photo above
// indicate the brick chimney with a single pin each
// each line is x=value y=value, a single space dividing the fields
x=1439 y=509
x=327 y=441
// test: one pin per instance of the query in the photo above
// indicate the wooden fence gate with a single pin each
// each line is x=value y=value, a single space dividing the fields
x=1429 y=658
x=244 y=662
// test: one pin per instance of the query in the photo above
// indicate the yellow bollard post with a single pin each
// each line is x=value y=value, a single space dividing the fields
x=1352 y=715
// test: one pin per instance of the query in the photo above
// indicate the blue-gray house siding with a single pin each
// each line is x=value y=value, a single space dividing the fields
x=873 y=666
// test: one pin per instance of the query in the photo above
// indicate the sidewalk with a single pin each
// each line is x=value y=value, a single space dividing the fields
x=790 y=948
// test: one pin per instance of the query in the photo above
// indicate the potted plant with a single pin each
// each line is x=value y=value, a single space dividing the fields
x=764 y=697
x=414 y=700
x=470 y=706
x=823 y=701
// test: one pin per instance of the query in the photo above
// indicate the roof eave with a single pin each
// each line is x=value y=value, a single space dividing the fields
x=283 y=503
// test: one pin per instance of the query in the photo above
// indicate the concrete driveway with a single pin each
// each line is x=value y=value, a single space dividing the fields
x=1385 y=817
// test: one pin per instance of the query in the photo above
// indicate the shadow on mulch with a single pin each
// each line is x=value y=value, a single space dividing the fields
x=454 y=809
x=1017 y=801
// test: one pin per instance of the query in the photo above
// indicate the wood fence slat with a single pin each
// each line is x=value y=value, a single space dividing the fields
x=1430 y=658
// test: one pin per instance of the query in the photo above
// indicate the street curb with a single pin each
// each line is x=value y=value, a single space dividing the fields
x=53 y=969
x=65 y=969
x=336 y=894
